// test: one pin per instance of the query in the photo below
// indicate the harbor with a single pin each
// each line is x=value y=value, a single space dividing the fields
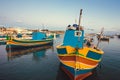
x=32 y=65
x=71 y=54
x=59 y=40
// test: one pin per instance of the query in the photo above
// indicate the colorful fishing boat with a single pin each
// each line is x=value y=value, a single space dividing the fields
x=77 y=56
x=37 y=40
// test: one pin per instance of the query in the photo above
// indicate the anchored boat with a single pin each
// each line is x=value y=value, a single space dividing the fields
x=102 y=38
x=77 y=55
x=38 y=40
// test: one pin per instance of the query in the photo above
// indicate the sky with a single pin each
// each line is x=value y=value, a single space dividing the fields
x=57 y=14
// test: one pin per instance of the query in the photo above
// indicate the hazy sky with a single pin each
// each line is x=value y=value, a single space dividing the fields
x=57 y=14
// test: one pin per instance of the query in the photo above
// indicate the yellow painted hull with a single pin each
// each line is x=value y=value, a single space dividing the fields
x=85 y=58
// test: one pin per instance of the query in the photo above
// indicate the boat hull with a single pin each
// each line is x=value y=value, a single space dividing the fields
x=75 y=74
x=78 y=63
x=27 y=44
x=78 y=57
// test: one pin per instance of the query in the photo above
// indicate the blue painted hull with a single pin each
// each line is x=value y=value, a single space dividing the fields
x=73 y=73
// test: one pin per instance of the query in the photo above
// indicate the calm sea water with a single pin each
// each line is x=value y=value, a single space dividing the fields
x=37 y=64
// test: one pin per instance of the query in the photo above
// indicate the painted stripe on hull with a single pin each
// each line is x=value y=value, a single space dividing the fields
x=75 y=74
x=80 y=59
x=31 y=41
x=62 y=51
x=89 y=53
x=65 y=49
x=26 y=44
x=84 y=51
x=12 y=46
x=83 y=76
x=78 y=65
x=94 y=55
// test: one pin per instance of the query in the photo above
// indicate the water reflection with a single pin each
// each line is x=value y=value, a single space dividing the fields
x=38 y=52
x=37 y=55
x=61 y=75
x=94 y=76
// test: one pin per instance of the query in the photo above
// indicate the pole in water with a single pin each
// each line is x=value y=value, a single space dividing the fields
x=100 y=37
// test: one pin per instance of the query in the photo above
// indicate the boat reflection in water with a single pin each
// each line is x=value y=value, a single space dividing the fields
x=37 y=55
x=61 y=75
x=38 y=52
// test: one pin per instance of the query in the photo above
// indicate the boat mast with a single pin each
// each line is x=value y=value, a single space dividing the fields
x=76 y=58
x=79 y=24
x=80 y=20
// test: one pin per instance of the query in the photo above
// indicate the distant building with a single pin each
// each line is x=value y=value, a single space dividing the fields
x=2 y=30
x=19 y=30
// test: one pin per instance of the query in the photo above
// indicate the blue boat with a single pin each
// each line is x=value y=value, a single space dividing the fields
x=38 y=39
x=78 y=56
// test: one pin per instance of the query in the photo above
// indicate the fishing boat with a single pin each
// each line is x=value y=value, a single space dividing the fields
x=77 y=56
x=2 y=39
x=102 y=37
x=38 y=40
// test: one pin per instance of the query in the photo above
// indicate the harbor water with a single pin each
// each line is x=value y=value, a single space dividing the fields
x=43 y=64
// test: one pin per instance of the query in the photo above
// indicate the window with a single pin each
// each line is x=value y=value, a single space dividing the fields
x=78 y=33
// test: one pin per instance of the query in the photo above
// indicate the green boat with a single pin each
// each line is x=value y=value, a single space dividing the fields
x=38 y=40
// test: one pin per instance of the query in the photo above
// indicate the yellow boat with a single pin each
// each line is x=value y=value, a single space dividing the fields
x=78 y=56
